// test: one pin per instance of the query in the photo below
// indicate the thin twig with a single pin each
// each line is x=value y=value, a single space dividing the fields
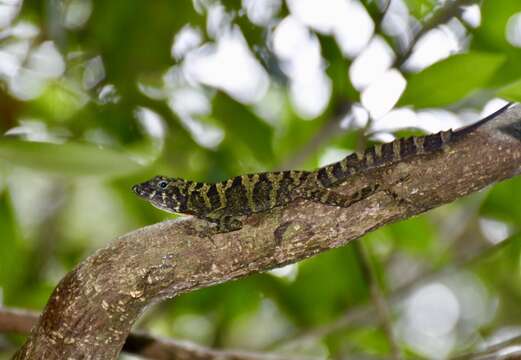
x=362 y=314
x=369 y=274
x=386 y=7
x=17 y=320
x=450 y=10
x=152 y=347
x=379 y=20
x=507 y=349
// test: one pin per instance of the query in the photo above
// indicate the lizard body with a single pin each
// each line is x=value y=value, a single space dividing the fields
x=223 y=203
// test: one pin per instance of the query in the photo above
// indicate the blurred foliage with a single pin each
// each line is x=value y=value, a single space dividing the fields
x=450 y=80
x=98 y=95
x=64 y=159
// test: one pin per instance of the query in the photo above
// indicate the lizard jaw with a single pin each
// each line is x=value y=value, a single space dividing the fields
x=163 y=208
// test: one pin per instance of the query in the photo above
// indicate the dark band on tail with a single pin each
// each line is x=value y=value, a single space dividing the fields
x=399 y=149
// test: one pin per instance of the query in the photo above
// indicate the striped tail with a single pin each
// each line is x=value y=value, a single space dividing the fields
x=397 y=150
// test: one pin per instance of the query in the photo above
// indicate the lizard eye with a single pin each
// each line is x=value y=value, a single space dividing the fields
x=162 y=184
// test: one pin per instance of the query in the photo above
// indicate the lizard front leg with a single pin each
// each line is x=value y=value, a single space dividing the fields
x=229 y=223
x=224 y=223
x=218 y=224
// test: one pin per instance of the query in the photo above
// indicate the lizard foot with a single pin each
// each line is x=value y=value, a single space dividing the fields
x=221 y=225
x=228 y=223
x=389 y=190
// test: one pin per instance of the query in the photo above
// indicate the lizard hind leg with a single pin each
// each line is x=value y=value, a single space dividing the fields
x=330 y=197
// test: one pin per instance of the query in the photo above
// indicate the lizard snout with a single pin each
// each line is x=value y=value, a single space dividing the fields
x=138 y=189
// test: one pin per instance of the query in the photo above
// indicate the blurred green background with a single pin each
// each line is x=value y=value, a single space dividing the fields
x=98 y=95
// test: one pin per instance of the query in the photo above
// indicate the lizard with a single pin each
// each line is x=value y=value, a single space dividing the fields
x=225 y=203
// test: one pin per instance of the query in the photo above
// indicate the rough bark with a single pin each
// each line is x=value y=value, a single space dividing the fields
x=93 y=308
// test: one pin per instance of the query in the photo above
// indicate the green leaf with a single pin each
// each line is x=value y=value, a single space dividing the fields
x=491 y=33
x=58 y=102
x=371 y=341
x=491 y=36
x=512 y=91
x=420 y=8
x=416 y=236
x=338 y=67
x=450 y=80
x=344 y=287
x=71 y=159
x=504 y=202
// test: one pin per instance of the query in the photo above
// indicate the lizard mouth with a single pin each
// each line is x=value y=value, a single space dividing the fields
x=140 y=190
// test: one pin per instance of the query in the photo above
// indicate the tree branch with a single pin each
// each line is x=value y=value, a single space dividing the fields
x=93 y=308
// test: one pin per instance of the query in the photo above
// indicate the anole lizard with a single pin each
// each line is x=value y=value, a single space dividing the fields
x=223 y=203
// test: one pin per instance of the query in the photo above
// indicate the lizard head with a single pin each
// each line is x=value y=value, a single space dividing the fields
x=165 y=193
